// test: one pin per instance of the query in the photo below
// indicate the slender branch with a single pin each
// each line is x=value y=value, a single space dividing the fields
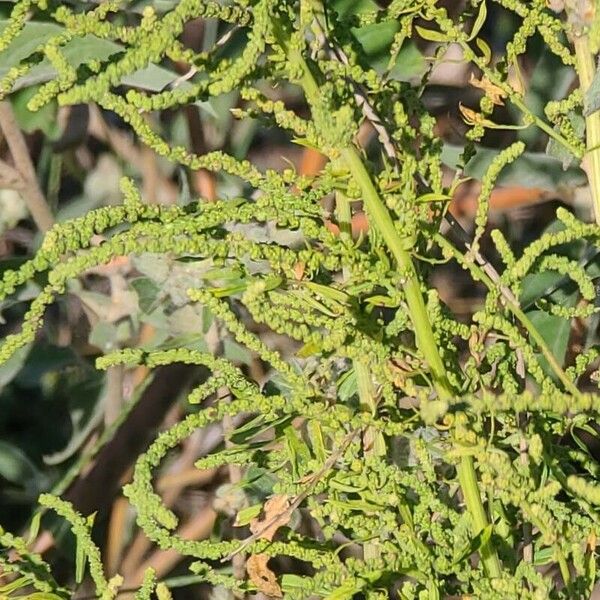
x=482 y=273
x=297 y=501
x=31 y=192
x=10 y=177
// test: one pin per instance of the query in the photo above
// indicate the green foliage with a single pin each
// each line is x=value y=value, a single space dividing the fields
x=483 y=410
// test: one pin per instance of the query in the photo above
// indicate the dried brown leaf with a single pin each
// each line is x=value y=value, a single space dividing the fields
x=299 y=270
x=492 y=91
x=276 y=515
x=261 y=576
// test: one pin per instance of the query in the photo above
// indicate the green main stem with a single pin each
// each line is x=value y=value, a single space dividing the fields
x=382 y=221
x=425 y=341
x=586 y=69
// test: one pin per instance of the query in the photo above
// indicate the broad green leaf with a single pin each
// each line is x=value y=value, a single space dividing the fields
x=148 y=293
x=347 y=386
x=152 y=78
x=32 y=37
x=77 y=51
x=543 y=556
x=29 y=121
x=555 y=331
x=236 y=352
x=377 y=37
x=86 y=411
x=533 y=169
x=536 y=285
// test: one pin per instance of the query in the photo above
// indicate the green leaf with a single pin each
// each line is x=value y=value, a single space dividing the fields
x=543 y=556
x=556 y=332
x=17 y=584
x=479 y=21
x=592 y=96
x=29 y=121
x=256 y=426
x=77 y=51
x=236 y=353
x=297 y=451
x=148 y=293
x=293 y=583
x=376 y=38
x=32 y=36
x=34 y=526
x=434 y=197
x=347 y=386
x=246 y=515
x=533 y=169
x=16 y=467
x=346 y=591
x=328 y=292
x=536 y=285
x=10 y=368
x=152 y=78
x=557 y=150
x=80 y=560
x=485 y=50
x=480 y=540
x=432 y=36
x=380 y=300
x=316 y=440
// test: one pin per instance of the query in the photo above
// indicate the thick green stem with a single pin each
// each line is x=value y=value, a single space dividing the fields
x=591 y=161
x=425 y=340
x=382 y=221
x=470 y=490
x=412 y=288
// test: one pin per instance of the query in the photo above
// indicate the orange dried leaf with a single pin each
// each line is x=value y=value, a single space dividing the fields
x=261 y=576
x=276 y=515
x=492 y=91
x=299 y=270
x=470 y=116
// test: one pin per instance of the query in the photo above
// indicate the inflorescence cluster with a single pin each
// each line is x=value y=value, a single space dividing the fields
x=435 y=448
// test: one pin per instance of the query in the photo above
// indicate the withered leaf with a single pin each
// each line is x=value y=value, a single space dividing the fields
x=261 y=576
x=276 y=515
x=492 y=91
x=299 y=270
